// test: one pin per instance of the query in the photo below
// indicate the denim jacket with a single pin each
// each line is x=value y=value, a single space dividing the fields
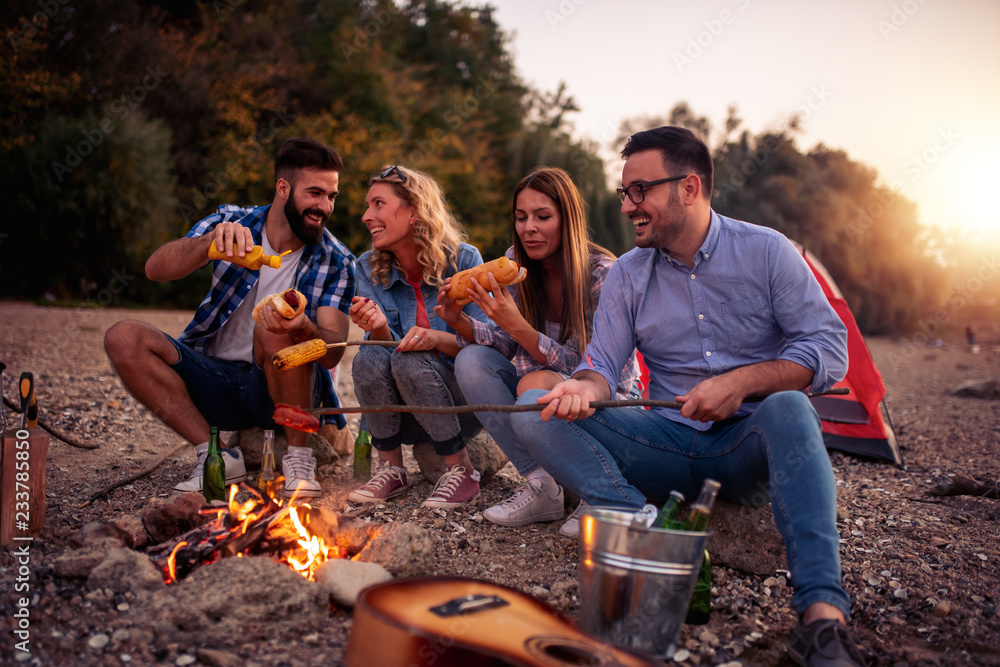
x=398 y=302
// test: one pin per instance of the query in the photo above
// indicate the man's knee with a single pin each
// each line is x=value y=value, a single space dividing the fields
x=124 y=339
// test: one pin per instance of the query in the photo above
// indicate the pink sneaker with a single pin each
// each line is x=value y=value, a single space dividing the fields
x=387 y=483
x=455 y=488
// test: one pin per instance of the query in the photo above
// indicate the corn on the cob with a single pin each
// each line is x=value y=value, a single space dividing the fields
x=301 y=353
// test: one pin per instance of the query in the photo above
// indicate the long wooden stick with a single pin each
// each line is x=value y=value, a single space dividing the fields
x=382 y=343
x=132 y=478
x=55 y=432
x=537 y=407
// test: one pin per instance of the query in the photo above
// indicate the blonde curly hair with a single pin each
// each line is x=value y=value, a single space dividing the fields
x=437 y=233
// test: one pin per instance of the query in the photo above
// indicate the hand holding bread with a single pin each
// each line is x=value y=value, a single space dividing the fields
x=506 y=271
x=288 y=304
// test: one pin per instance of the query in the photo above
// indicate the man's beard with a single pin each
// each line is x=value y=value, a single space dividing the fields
x=308 y=234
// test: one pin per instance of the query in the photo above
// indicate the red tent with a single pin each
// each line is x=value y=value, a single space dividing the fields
x=854 y=423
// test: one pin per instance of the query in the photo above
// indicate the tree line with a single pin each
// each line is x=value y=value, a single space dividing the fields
x=125 y=121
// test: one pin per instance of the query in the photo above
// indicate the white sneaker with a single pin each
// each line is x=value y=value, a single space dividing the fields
x=299 y=468
x=529 y=504
x=236 y=470
x=571 y=528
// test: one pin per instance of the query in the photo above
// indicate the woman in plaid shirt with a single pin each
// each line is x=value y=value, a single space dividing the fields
x=538 y=332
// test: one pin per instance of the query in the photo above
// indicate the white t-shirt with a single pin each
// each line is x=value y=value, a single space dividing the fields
x=234 y=341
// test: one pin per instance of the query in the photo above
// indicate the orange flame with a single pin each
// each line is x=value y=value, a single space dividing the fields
x=172 y=561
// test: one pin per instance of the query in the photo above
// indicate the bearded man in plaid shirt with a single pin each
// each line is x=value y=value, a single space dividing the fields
x=218 y=371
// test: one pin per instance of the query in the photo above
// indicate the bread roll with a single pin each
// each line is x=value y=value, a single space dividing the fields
x=288 y=304
x=505 y=270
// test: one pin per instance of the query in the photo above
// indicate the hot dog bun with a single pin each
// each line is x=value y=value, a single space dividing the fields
x=282 y=303
x=505 y=270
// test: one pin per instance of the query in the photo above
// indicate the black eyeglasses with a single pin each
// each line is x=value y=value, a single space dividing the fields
x=389 y=171
x=637 y=191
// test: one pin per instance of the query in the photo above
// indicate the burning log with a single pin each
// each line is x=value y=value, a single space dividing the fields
x=299 y=535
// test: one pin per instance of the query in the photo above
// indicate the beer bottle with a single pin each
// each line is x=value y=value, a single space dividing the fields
x=213 y=480
x=668 y=515
x=265 y=480
x=697 y=518
x=363 y=457
x=700 y=608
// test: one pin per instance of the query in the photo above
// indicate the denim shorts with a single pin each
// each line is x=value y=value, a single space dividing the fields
x=229 y=394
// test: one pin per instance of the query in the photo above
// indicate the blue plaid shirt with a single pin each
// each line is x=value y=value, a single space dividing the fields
x=325 y=275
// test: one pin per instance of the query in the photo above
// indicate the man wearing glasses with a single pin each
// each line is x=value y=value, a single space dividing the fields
x=218 y=371
x=722 y=311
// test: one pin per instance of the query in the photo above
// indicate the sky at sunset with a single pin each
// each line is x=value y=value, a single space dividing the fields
x=909 y=87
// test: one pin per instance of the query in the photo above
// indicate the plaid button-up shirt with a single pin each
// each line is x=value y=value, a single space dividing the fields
x=561 y=358
x=325 y=275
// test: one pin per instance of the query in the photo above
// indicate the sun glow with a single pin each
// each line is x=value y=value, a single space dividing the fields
x=964 y=195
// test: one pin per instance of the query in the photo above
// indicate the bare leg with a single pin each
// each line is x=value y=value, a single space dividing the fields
x=293 y=386
x=141 y=355
x=393 y=457
x=461 y=457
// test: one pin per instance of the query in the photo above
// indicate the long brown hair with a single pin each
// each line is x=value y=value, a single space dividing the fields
x=578 y=253
x=436 y=233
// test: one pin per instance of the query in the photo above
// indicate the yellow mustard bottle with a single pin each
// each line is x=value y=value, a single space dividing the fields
x=253 y=260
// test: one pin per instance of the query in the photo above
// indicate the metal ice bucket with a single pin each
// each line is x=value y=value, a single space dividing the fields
x=635 y=584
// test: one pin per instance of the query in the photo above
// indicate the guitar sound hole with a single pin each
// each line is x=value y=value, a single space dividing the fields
x=566 y=651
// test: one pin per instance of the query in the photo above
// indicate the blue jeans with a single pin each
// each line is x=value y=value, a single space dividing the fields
x=386 y=377
x=487 y=377
x=620 y=457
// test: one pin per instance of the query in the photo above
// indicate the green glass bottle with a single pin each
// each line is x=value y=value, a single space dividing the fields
x=213 y=481
x=667 y=518
x=265 y=480
x=363 y=457
x=697 y=518
x=700 y=608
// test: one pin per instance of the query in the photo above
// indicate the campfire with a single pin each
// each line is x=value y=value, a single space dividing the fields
x=299 y=535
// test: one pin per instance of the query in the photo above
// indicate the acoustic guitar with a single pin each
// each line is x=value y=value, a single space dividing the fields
x=459 y=622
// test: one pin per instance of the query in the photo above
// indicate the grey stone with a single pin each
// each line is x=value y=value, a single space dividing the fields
x=404 y=549
x=485 y=454
x=98 y=530
x=745 y=539
x=978 y=389
x=251 y=442
x=125 y=570
x=78 y=564
x=344 y=579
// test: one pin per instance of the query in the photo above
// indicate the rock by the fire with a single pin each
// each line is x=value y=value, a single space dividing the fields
x=171 y=517
x=404 y=549
x=343 y=579
x=96 y=530
x=234 y=601
x=79 y=563
x=126 y=571
x=135 y=533
x=978 y=389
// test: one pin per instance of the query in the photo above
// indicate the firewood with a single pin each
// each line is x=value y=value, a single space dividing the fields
x=962 y=485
